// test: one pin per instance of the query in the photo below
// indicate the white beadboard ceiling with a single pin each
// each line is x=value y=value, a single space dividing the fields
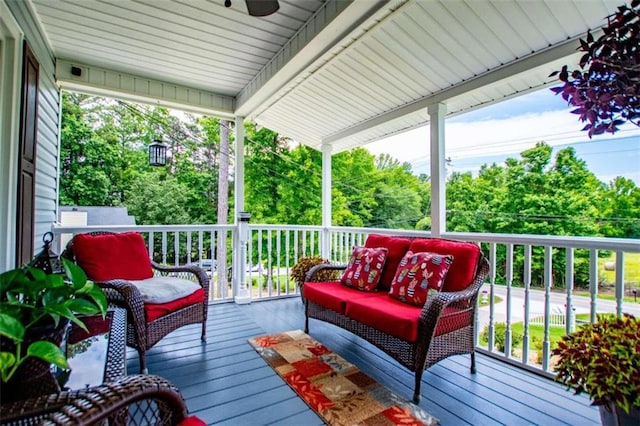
x=366 y=73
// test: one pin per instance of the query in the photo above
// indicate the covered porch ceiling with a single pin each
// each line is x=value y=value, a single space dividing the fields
x=343 y=73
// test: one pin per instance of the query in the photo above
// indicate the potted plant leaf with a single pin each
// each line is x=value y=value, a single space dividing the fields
x=35 y=308
x=603 y=360
x=304 y=264
x=605 y=89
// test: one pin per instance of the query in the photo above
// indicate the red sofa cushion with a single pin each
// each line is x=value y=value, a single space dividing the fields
x=386 y=314
x=419 y=275
x=153 y=311
x=113 y=256
x=465 y=260
x=364 y=269
x=192 y=421
x=402 y=320
x=396 y=248
x=332 y=295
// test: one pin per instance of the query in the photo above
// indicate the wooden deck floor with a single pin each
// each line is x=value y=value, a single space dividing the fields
x=225 y=382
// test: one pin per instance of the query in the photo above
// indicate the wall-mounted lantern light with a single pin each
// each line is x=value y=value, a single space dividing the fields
x=157 y=153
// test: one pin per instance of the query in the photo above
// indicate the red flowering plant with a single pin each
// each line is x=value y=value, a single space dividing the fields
x=603 y=360
x=606 y=88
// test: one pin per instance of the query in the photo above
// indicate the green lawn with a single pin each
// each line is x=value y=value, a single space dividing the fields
x=631 y=270
x=536 y=336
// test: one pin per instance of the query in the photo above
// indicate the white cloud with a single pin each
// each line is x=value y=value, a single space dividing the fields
x=491 y=137
x=468 y=140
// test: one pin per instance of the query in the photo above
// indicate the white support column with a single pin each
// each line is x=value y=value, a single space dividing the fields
x=238 y=256
x=239 y=166
x=244 y=289
x=438 y=172
x=326 y=200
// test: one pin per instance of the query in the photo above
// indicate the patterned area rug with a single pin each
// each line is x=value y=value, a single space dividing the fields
x=335 y=389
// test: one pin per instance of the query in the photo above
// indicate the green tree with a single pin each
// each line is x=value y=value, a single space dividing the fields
x=398 y=194
x=159 y=199
x=268 y=172
x=619 y=209
x=85 y=157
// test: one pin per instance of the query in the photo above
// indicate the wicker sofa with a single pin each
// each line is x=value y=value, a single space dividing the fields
x=416 y=336
x=133 y=400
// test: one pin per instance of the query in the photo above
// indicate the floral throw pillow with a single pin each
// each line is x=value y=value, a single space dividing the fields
x=364 y=268
x=419 y=276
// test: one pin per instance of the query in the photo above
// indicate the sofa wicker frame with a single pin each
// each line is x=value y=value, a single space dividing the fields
x=429 y=348
x=143 y=335
x=133 y=400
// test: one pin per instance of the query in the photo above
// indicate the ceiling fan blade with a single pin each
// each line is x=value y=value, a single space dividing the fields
x=262 y=7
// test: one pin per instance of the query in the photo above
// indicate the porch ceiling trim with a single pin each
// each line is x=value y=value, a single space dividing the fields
x=102 y=82
x=559 y=51
x=318 y=36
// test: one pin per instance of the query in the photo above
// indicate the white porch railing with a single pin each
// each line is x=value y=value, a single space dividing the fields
x=517 y=321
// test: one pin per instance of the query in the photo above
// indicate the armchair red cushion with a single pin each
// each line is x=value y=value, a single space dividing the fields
x=396 y=248
x=153 y=311
x=465 y=260
x=113 y=256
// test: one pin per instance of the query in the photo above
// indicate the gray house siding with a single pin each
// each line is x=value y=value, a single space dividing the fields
x=48 y=122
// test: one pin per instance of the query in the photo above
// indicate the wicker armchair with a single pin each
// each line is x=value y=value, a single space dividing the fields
x=142 y=334
x=132 y=400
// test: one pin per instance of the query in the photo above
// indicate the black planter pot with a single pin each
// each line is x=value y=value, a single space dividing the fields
x=612 y=415
x=33 y=377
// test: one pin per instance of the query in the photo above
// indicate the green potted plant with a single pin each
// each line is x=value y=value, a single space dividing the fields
x=604 y=89
x=304 y=264
x=603 y=360
x=35 y=308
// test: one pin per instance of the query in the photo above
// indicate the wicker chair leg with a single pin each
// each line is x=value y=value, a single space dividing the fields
x=416 y=392
x=204 y=332
x=473 y=362
x=143 y=361
x=306 y=316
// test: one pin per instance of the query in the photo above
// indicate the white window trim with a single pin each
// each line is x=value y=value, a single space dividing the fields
x=11 y=38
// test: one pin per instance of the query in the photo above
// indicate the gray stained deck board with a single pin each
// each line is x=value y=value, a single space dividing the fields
x=225 y=382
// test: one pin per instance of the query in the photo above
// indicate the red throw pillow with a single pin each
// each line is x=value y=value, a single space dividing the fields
x=396 y=249
x=365 y=268
x=465 y=255
x=113 y=256
x=418 y=276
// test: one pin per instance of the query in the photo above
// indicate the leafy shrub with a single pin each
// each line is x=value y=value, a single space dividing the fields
x=304 y=264
x=500 y=331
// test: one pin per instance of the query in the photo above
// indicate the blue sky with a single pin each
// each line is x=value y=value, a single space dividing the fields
x=503 y=130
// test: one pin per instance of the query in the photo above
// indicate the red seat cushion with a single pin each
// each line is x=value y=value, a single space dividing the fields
x=333 y=295
x=153 y=311
x=364 y=268
x=396 y=248
x=386 y=314
x=113 y=256
x=418 y=276
x=192 y=421
x=465 y=260
x=402 y=320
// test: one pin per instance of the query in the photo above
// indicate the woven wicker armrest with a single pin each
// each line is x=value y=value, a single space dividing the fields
x=183 y=271
x=126 y=295
x=136 y=399
x=311 y=274
x=465 y=298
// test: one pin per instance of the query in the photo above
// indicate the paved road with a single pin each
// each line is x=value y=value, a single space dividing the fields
x=558 y=302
